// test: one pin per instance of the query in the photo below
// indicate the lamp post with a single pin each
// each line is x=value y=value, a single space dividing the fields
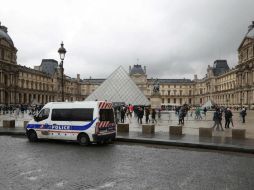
x=62 y=53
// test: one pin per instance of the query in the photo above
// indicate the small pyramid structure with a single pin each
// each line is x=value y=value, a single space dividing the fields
x=208 y=104
x=119 y=87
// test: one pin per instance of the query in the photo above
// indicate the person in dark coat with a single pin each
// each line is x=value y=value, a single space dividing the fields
x=147 y=113
x=122 y=112
x=140 y=114
x=153 y=116
x=243 y=113
x=217 y=117
x=228 y=117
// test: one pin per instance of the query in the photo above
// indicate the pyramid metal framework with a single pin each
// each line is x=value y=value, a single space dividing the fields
x=119 y=87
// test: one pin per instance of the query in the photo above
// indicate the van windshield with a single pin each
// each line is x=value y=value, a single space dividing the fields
x=107 y=115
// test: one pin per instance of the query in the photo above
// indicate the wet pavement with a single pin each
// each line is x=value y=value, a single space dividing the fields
x=64 y=165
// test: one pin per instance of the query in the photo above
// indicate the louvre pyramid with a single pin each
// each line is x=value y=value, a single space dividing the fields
x=119 y=87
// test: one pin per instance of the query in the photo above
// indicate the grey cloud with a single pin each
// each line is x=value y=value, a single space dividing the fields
x=174 y=39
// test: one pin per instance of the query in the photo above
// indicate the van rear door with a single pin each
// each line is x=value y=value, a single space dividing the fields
x=107 y=121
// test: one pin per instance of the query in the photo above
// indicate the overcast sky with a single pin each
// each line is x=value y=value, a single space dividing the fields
x=172 y=38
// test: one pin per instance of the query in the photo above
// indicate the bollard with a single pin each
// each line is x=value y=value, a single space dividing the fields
x=25 y=124
x=147 y=129
x=123 y=127
x=176 y=130
x=205 y=132
x=8 y=123
x=238 y=133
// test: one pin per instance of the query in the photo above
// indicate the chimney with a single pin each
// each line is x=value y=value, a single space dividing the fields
x=145 y=69
x=129 y=69
x=78 y=77
x=195 y=77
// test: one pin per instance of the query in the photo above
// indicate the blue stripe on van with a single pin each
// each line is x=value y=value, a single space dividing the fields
x=61 y=127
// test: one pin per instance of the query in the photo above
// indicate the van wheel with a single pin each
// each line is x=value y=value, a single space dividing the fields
x=32 y=136
x=83 y=139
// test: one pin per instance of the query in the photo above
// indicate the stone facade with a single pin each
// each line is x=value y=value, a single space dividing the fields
x=245 y=70
x=224 y=86
x=23 y=85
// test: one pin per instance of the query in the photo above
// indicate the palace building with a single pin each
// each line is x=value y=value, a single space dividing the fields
x=23 y=85
x=223 y=85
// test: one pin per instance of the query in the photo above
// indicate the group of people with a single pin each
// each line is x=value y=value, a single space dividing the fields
x=182 y=112
x=124 y=111
x=218 y=115
x=20 y=109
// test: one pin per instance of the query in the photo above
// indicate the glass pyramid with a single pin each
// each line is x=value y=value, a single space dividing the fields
x=119 y=87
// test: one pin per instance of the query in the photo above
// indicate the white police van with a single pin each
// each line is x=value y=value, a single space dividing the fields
x=85 y=122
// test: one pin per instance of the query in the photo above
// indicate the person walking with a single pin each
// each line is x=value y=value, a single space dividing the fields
x=228 y=118
x=130 y=108
x=147 y=113
x=153 y=116
x=205 y=110
x=217 y=117
x=243 y=113
x=198 y=113
x=140 y=114
x=182 y=114
x=122 y=114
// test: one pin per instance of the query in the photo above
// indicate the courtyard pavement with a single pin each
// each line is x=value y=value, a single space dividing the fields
x=221 y=140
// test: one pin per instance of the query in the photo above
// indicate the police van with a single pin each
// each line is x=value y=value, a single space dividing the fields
x=85 y=122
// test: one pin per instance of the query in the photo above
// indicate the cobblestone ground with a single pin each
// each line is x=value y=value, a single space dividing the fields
x=63 y=165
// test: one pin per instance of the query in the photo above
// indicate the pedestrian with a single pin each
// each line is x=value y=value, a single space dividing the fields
x=130 y=108
x=159 y=113
x=228 y=117
x=181 y=116
x=205 y=110
x=128 y=114
x=140 y=114
x=243 y=113
x=122 y=114
x=147 y=113
x=153 y=116
x=217 y=117
x=198 y=113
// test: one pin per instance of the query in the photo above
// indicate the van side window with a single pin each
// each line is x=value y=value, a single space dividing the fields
x=82 y=114
x=61 y=115
x=107 y=115
x=44 y=114
x=75 y=114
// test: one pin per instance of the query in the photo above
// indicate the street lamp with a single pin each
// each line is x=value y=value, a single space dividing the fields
x=62 y=53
